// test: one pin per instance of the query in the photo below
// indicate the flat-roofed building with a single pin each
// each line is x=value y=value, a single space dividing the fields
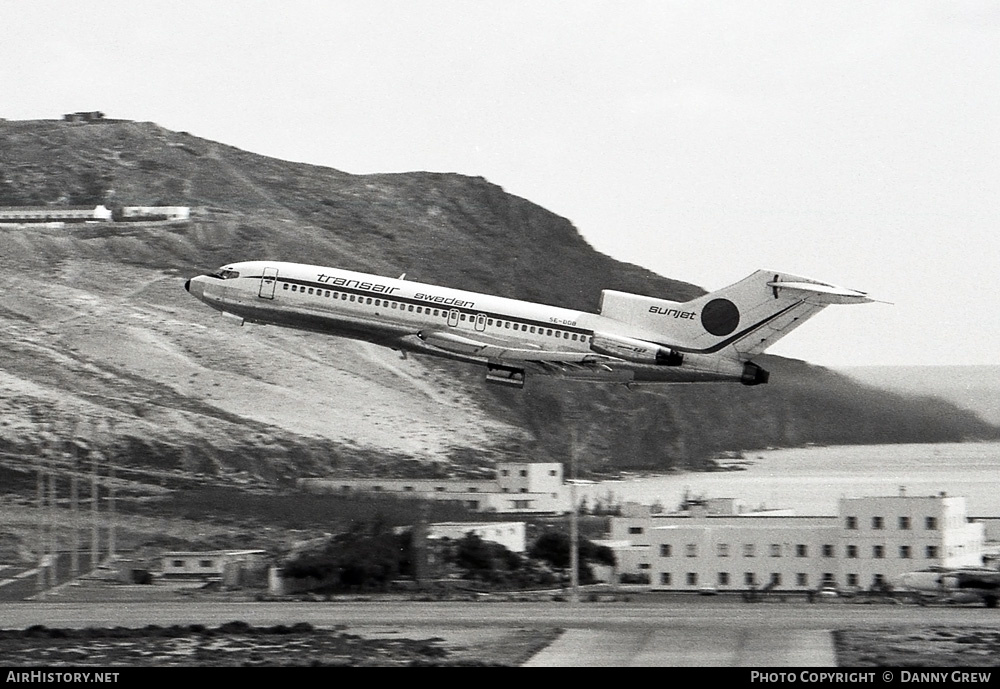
x=228 y=566
x=518 y=487
x=870 y=543
x=44 y=214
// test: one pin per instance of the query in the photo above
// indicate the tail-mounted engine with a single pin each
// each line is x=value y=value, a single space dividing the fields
x=754 y=374
x=638 y=351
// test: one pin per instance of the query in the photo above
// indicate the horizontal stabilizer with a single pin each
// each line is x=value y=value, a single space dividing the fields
x=819 y=292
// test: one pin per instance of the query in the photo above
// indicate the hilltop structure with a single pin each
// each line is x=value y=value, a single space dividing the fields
x=100 y=213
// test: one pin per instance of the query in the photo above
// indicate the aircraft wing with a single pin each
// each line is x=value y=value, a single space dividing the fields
x=461 y=344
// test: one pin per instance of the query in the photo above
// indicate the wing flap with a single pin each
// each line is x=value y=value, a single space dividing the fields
x=462 y=344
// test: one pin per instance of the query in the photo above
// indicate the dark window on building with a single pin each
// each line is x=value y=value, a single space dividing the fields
x=635 y=529
x=852 y=551
x=692 y=578
x=878 y=523
x=665 y=550
x=878 y=551
x=801 y=550
x=665 y=578
x=827 y=550
x=905 y=552
x=852 y=523
x=904 y=523
x=930 y=523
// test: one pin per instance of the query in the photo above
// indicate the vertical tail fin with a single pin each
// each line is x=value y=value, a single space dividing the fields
x=738 y=321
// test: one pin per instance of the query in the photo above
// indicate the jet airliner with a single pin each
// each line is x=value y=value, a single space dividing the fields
x=633 y=339
x=950 y=584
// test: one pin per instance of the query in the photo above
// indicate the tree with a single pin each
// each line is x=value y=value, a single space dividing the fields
x=554 y=546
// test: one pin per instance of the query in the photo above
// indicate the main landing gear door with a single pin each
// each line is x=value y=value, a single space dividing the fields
x=267 y=282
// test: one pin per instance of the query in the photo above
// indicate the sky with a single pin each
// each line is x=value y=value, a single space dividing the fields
x=853 y=142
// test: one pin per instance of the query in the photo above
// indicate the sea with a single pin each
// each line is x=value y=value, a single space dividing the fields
x=809 y=481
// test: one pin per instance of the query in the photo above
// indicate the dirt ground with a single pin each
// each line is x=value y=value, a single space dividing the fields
x=918 y=647
x=241 y=644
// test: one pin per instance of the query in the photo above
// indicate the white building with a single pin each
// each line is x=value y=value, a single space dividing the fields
x=38 y=214
x=873 y=540
x=224 y=565
x=518 y=487
x=511 y=535
x=171 y=213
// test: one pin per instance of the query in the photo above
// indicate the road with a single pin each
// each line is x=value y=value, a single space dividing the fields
x=681 y=632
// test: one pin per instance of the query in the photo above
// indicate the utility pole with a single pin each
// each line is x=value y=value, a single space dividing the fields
x=40 y=504
x=74 y=508
x=111 y=509
x=572 y=417
x=95 y=494
x=53 y=518
x=574 y=538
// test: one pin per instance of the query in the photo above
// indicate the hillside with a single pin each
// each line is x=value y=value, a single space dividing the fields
x=974 y=388
x=99 y=342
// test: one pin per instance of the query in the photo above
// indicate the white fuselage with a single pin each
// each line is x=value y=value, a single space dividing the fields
x=507 y=334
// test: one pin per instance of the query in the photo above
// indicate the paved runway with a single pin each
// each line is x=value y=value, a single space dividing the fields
x=704 y=647
x=674 y=633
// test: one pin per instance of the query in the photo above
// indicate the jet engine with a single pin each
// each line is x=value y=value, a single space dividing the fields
x=639 y=351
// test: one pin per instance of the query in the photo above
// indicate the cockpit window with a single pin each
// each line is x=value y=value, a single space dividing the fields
x=225 y=274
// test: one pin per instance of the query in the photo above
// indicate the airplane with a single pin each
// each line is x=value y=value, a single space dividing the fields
x=956 y=584
x=635 y=339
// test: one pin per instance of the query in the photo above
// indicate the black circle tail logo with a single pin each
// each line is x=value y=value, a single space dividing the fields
x=720 y=317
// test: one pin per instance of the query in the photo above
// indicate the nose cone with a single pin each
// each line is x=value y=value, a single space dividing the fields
x=196 y=287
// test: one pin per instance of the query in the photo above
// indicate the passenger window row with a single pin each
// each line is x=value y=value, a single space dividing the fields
x=388 y=303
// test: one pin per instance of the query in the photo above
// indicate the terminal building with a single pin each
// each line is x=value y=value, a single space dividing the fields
x=517 y=488
x=869 y=544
